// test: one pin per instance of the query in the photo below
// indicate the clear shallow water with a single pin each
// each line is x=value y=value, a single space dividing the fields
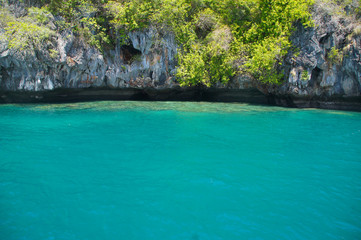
x=170 y=170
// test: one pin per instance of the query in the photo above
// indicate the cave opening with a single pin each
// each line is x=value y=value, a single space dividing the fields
x=130 y=54
x=324 y=39
x=316 y=77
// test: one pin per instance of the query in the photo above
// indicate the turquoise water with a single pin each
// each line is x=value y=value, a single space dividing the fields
x=170 y=170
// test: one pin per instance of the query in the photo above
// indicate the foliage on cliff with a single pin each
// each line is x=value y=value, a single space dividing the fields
x=27 y=33
x=218 y=38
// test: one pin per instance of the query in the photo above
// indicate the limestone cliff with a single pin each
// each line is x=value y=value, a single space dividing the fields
x=147 y=60
x=324 y=64
x=329 y=59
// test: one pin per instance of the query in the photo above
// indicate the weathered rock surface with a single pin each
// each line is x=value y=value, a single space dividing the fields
x=144 y=68
x=329 y=60
x=148 y=60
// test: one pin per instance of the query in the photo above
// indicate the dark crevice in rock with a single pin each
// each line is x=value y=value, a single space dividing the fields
x=316 y=77
x=343 y=43
x=324 y=39
x=129 y=53
x=162 y=79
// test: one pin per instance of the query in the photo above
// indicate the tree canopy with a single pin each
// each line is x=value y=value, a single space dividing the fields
x=217 y=38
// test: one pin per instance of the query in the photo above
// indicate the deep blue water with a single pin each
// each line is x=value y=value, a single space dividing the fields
x=169 y=170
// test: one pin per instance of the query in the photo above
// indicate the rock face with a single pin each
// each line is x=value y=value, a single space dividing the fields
x=329 y=59
x=147 y=60
x=327 y=67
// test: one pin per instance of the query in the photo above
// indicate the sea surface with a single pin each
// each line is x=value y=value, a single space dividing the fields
x=178 y=170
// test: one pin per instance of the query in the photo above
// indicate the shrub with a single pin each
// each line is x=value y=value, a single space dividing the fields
x=192 y=68
x=335 y=56
x=26 y=35
x=266 y=58
x=305 y=76
x=205 y=22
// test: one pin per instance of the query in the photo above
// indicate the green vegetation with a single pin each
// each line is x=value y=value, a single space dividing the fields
x=218 y=38
x=305 y=76
x=335 y=56
x=26 y=33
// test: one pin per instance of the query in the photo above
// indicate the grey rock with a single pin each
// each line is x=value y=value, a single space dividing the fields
x=327 y=77
x=147 y=60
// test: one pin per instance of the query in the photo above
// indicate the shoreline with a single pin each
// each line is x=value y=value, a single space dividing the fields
x=251 y=96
